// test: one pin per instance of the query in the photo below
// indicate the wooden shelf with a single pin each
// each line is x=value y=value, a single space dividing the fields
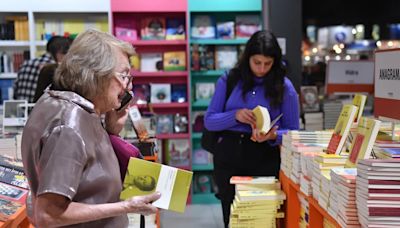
x=207 y=73
x=171 y=77
x=207 y=167
x=219 y=41
x=158 y=42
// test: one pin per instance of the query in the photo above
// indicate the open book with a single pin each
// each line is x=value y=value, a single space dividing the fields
x=145 y=177
x=263 y=119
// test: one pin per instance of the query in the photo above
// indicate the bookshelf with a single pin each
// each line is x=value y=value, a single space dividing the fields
x=292 y=206
x=219 y=11
x=30 y=14
x=131 y=21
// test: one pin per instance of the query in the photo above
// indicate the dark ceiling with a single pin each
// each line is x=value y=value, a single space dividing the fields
x=350 y=12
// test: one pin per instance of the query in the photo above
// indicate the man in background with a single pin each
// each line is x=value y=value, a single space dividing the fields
x=27 y=78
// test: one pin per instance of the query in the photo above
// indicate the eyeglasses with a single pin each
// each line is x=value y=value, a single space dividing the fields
x=126 y=77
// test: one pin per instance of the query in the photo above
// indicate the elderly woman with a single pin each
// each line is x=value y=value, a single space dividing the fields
x=72 y=170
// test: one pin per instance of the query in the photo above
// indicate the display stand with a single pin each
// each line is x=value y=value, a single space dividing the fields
x=292 y=206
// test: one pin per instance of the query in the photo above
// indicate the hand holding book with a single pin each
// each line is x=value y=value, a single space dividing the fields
x=264 y=128
x=142 y=204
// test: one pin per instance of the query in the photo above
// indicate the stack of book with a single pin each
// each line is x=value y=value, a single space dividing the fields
x=298 y=143
x=8 y=147
x=378 y=192
x=331 y=113
x=314 y=121
x=342 y=199
x=320 y=175
x=257 y=201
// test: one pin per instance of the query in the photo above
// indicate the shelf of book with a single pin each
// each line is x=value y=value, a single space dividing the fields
x=158 y=42
x=207 y=167
x=292 y=206
x=224 y=5
x=14 y=43
x=204 y=198
x=207 y=73
x=218 y=41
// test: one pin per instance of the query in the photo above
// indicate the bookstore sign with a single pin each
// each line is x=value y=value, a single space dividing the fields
x=387 y=84
x=350 y=77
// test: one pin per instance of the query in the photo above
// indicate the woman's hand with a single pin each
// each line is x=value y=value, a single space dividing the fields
x=115 y=120
x=246 y=116
x=257 y=136
x=142 y=204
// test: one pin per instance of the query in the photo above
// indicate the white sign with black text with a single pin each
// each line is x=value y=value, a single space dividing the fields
x=350 y=72
x=387 y=74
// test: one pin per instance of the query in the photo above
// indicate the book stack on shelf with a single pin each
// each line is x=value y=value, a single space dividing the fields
x=342 y=198
x=378 y=192
x=331 y=112
x=257 y=202
x=304 y=211
x=15 y=28
x=310 y=106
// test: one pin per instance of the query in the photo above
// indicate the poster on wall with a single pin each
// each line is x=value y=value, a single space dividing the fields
x=387 y=84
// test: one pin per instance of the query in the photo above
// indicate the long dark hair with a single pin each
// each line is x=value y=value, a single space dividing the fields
x=262 y=43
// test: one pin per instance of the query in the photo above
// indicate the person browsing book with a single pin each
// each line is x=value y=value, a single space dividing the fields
x=259 y=78
x=73 y=172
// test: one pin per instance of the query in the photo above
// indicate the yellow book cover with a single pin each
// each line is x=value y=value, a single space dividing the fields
x=359 y=101
x=174 y=61
x=74 y=26
x=330 y=158
x=263 y=119
x=273 y=186
x=256 y=202
x=363 y=142
x=261 y=195
x=145 y=177
x=342 y=129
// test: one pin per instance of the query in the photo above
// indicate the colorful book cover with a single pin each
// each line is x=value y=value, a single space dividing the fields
x=160 y=93
x=8 y=208
x=361 y=146
x=225 y=57
x=204 y=90
x=141 y=93
x=175 y=29
x=309 y=98
x=145 y=177
x=179 y=93
x=153 y=28
x=359 y=101
x=261 y=195
x=164 y=124
x=226 y=30
x=247 y=25
x=151 y=62
x=342 y=129
x=175 y=61
x=203 y=27
x=178 y=152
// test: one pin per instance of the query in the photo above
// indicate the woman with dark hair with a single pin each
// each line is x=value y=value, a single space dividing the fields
x=259 y=78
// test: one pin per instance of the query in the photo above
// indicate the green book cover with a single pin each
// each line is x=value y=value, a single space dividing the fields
x=145 y=177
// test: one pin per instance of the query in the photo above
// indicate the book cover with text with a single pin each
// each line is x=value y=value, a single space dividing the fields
x=361 y=146
x=145 y=177
x=342 y=129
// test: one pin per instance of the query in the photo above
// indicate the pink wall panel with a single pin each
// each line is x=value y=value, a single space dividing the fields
x=149 y=5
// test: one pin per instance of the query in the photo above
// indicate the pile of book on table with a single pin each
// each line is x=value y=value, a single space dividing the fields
x=257 y=202
x=378 y=192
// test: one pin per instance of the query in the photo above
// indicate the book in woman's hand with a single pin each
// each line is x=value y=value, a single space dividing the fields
x=263 y=119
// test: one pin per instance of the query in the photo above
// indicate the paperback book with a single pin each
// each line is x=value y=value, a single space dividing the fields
x=263 y=119
x=342 y=129
x=145 y=177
